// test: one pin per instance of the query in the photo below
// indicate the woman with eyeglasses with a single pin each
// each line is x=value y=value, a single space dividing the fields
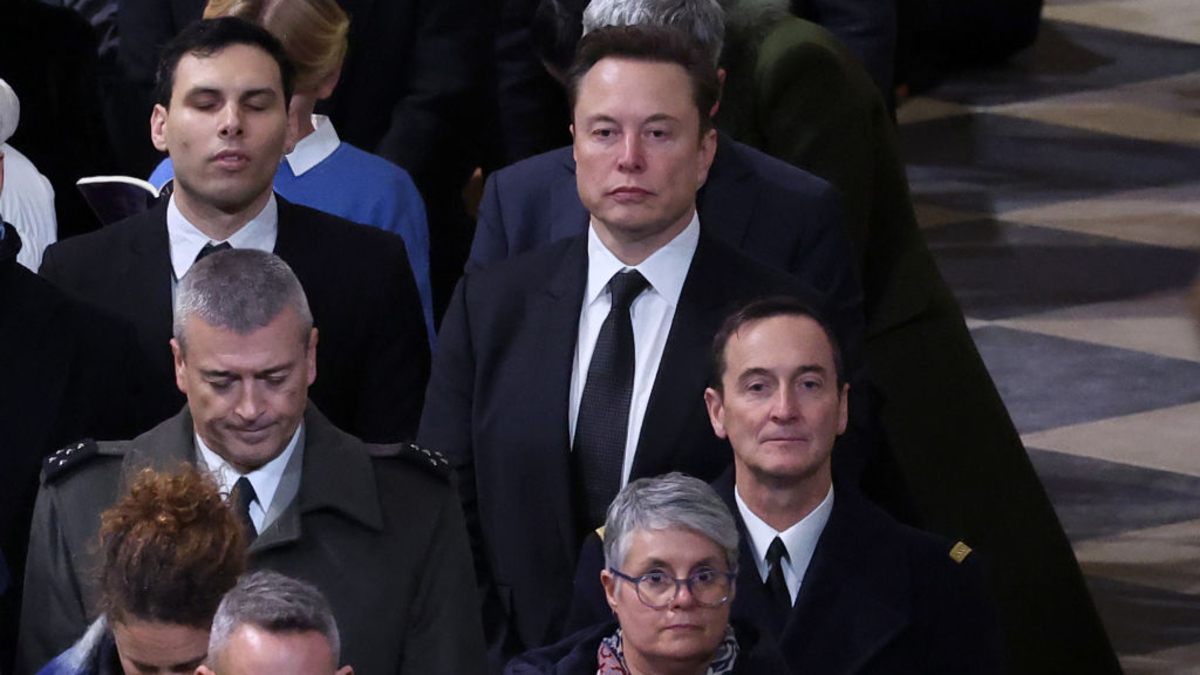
x=671 y=550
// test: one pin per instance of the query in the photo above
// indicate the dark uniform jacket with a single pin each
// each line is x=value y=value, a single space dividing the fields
x=374 y=355
x=878 y=598
x=376 y=527
x=497 y=407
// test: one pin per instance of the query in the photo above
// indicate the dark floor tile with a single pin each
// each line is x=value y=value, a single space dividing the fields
x=1049 y=382
x=1001 y=270
x=994 y=163
x=1096 y=498
x=1141 y=619
x=1068 y=58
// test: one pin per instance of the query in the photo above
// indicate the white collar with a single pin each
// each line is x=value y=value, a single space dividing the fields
x=666 y=269
x=265 y=479
x=186 y=239
x=800 y=539
x=315 y=147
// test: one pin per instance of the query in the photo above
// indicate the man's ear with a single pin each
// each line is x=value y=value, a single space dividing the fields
x=293 y=130
x=180 y=366
x=720 y=92
x=844 y=408
x=345 y=670
x=158 y=124
x=311 y=356
x=708 y=150
x=716 y=408
x=204 y=670
x=571 y=128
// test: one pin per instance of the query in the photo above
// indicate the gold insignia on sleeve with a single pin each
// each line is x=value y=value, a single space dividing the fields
x=960 y=552
x=600 y=532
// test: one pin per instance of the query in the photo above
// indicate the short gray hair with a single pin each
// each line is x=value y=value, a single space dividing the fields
x=275 y=603
x=704 y=20
x=672 y=501
x=240 y=290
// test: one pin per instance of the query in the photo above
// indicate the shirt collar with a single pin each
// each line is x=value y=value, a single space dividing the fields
x=315 y=147
x=265 y=479
x=800 y=539
x=186 y=239
x=666 y=269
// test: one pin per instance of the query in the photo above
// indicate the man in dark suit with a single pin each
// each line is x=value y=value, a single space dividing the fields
x=377 y=528
x=224 y=91
x=554 y=383
x=839 y=584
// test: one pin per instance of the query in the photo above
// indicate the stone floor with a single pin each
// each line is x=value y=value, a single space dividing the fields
x=1061 y=197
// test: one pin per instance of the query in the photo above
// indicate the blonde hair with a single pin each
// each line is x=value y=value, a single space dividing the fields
x=313 y=32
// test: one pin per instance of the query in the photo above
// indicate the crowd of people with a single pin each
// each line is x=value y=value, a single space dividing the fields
x=685 y=395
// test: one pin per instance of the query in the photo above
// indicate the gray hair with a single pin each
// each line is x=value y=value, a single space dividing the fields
x=704 y=20
x=672 y=501
x=240 y=290
x=275 y=603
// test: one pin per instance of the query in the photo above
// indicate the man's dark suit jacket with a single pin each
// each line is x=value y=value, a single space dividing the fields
x=373 y=352
x=69 y=371
x=878 y=598
x=497 y=407
x=376 y=527
x=755 y=203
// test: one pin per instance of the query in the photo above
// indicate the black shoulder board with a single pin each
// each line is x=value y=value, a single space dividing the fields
x=67 y=459
x=430 y=459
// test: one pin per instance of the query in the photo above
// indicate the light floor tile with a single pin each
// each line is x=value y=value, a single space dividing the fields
x=1167 y=439
x=1171 y=19
x=1177 y=661
x=1158 y=324
x=1163 y=216
x=1165 y=110
x=923 y=109
x=1166 y=557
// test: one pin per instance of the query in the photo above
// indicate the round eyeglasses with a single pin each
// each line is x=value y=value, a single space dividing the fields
x=656 y=590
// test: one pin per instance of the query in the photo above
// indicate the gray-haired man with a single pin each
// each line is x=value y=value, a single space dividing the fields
x=378 y=527
x=269 y=624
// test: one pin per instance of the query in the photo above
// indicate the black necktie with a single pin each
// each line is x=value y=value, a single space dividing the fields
x=776 y=585
x=243 y=494
x=603 y=418
x=211 y=248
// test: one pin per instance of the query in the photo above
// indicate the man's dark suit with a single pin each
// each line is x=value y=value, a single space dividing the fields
x=373 y=356
x=757 y=204
x=878 y=598
x=377 y=528
x=497 y=407
x=69 y=371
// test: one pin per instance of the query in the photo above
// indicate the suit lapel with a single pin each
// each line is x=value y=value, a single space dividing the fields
x=842 y=619
x=146 y=282
x=554 y=324
x=727 y=217
x=682 y=372
x=567 y=216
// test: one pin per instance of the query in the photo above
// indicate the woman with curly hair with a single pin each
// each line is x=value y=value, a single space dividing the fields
x=171 y=549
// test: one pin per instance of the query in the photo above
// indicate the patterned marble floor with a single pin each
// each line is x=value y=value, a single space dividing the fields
x=1061 y=197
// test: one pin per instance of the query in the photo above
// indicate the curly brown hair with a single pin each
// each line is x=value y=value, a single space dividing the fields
x=171 y=549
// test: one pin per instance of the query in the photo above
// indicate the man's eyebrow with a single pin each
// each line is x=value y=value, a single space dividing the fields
x=661 y=117
x=215 y=373
x=261 y=91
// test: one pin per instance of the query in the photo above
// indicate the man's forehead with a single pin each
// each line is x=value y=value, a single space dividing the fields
x=759 y=340
x=240 y=66
x=620 y=72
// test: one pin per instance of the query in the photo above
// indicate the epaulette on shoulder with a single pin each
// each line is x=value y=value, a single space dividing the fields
x=431 y=460
x=68 y=459
x=959 y=552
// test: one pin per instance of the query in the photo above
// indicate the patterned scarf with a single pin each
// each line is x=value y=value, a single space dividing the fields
x=611 y=655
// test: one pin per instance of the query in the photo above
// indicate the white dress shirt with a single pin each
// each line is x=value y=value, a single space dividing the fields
x=651 y=315
x=186 y=240
x=800 y=540
x=315 y=147
x=275 y=483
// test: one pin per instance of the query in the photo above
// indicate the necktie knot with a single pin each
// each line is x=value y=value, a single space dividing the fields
x=211 y=248
x=775 y=552
x=625 y=287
